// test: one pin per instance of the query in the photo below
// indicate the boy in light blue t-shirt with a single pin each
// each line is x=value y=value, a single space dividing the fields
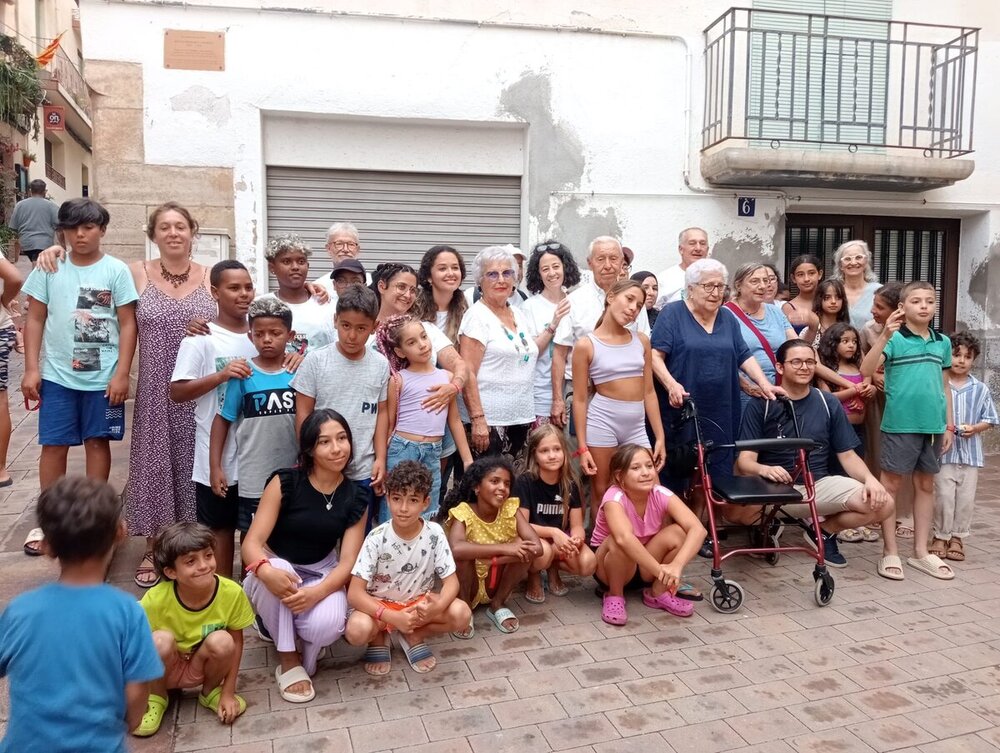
x=78 y=654
x=81 y=327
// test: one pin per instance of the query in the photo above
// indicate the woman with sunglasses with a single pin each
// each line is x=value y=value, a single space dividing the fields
x=501 y=357
x=551 y=271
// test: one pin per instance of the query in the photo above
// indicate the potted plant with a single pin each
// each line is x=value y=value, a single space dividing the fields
x=27 y=158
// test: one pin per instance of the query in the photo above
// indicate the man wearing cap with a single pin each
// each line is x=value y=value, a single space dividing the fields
x=347 y=272
x=692 y=245
x=34 y=221
x=606 y=261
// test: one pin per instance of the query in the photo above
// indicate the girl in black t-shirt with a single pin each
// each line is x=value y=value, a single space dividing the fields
x=550 y=502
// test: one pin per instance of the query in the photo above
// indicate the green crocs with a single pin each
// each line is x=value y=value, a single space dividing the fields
x=211 y=702
x=156 y=706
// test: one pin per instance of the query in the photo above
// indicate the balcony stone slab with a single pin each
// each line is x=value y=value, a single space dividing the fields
x=813 y=168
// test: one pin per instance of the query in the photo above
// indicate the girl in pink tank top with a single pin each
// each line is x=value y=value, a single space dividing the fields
x=643 y=526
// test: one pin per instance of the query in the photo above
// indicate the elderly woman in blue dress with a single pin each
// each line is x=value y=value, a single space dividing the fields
x=698 y=351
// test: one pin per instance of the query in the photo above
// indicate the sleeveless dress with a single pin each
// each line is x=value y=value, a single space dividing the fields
x=159 y=489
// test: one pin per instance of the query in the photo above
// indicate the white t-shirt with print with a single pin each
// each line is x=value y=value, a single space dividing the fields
x=312 y=322
x=199 y=356
x=400 y=570
x=507 y=372
x=539 y=311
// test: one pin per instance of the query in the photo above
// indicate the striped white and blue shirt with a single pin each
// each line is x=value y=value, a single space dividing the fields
x=971 y=403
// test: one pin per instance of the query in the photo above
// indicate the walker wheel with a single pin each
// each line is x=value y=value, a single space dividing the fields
x=727 y=596
x=824 y=589
x=772 y=558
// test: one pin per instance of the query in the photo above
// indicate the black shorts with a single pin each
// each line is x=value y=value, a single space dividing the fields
x=218 y=513
x=33 y=254
x=247 y=508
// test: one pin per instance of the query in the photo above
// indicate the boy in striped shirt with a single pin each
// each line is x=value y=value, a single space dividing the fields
x=973 y=412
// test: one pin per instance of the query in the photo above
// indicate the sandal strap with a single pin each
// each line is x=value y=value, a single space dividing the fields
x=377 y=655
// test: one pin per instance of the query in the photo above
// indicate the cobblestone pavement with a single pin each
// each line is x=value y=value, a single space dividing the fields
x=909 y=666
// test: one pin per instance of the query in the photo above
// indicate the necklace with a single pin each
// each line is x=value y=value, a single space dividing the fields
x=524 y=342
x=328 y=499
x=175 y=279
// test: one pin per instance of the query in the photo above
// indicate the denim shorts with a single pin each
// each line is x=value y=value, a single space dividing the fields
x=425 y=453
x=69 y=417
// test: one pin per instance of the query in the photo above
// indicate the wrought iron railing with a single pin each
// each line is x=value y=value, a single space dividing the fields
x=776 y=78
x=55 y=176
x=69 y=76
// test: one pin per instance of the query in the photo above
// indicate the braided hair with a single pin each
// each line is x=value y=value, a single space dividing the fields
x=387 y=339
x=385 y=272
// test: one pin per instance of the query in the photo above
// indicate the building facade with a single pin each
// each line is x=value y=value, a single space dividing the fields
x=476 y=122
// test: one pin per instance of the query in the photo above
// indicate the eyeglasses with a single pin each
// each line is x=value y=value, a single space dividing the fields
x=798 y=363
x=494 y=276
x=712 y=287
x=402 y=288
x=548 y=247
x=345 y=245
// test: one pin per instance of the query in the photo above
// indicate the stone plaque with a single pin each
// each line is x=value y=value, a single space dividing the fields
x=194 y=50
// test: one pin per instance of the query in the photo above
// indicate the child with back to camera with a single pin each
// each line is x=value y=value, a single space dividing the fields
x=416 y=433
x=78 y=654
x=973 y=412
x=550 y=502
x=393 y=580
x=197 y=620
x=643 y=526
x=493 y=546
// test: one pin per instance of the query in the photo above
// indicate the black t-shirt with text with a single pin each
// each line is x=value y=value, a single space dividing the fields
x=543 y=502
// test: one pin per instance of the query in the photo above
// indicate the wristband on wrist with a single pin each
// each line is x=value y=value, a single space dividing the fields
x=256 y=566
x=550 y=328
x=581 y=450
x=476 y=417
x=952 y=428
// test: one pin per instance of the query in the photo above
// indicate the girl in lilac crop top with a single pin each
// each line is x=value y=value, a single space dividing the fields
x=619 y=364
x=415 y=433
x=642 y=526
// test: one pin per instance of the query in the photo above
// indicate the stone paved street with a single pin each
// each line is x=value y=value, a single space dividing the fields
x=911 y=666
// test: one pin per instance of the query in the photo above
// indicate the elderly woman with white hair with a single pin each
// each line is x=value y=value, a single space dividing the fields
x=501 y=355
x=852 y=265
x=699 y=351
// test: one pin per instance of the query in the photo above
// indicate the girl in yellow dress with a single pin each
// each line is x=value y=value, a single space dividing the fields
x=493 y=546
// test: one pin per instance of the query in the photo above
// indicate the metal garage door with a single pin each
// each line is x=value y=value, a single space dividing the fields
x=399 y=215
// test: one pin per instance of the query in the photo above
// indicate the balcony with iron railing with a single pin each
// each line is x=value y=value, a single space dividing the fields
x=64 y=73
x=55 y=176
x=800 y=99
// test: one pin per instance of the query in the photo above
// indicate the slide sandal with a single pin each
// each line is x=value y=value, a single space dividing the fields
x=468 y=634
x=421 y=652
x=377 y=655
x=932 y=565
x=289 y=678
x=890 y=562
x=32 y=544
x=499 y=617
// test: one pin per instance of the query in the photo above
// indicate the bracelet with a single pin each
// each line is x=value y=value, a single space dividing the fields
x=952 y=428
x=550 y=328
x=456 y=384
x=477 y=417
x=581 y=450
x=252 y=569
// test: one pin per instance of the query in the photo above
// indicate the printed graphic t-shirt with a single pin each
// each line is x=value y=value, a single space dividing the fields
x=544 y=502
x=312 y=322
x=229 y=609
x=80 y=339
x=400 y=570
x=264 y=405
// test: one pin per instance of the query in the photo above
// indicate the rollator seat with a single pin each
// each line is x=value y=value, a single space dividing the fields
x=753 y=490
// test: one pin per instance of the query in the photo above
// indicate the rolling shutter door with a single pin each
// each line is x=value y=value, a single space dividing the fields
x=398 y=215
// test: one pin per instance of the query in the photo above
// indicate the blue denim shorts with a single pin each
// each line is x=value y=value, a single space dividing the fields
x=70 y=417
x=425 y=453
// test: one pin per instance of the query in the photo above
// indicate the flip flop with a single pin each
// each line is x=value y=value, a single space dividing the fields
x=419 y=652
x=956 y=551
x=211 y=701
x=377 y=655
x=35 y=536
x=468 y=634
x=289 y=678
x=500 y=616
x=689 y=593
x=668 y=603
x=931 y=565
x=613 y=612
x=145 y=569
x=156 y=707
x=890 y=561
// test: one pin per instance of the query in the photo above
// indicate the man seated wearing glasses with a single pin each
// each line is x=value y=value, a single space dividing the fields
x=844 y=501
x=342 y=242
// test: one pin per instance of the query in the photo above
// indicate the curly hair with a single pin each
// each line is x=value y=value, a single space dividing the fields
x=837 y=287
x=465 y=490
x=285 y=242
x=967 y=339
x=268 y=307
x=80 y=517
x=385 y=272
x=425 y=307
x=571 y=270
x=387 y=339
x=411 y=476
x=827 y=350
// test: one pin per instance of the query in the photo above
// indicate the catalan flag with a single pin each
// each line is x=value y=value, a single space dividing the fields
x=45 y=56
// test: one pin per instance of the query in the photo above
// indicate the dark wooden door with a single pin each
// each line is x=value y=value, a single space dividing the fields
x=903 y=249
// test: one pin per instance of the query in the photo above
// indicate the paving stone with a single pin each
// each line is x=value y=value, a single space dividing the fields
x=558 y=656
x=414 y=703
x=201 y=735
x=331 y=741
x=442 y=676
x=581 y=730
x=609 y=649
x=603 y=673
x=706 y=737
x=963 y=744
x=949 y=721
x=460 y=723
x=670 y=640
x=712 y=678
x=592 y=700
x=641 y=720
x=481 y=692
x=762 y=647
x=839 y=740
x=882 y=702
x=530 y=684
x=890 y=733
x=650 y=742
x=522 y=640
x=827 y=714
x=716 y=655
x=503 y=666
x=536 y=710
x=462 y=650
x=270 y=726
x=766 y=726
x=366 y=686
x=457 y=745
x=770 y=669
x=768 y=695
x=340 y=715
x=652 y=689
x=660 y=663
x=580 y=632
x=940 y=691
x=707 y=707
x=366 y=738
x=517 y=740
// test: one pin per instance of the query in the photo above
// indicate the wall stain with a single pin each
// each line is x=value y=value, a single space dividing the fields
x=556 y=162
x=203 y=101
x=979 y=282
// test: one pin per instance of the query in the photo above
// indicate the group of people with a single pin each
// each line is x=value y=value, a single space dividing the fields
x=396 y=450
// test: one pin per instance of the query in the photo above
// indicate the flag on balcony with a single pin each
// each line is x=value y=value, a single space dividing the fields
x=45 y=56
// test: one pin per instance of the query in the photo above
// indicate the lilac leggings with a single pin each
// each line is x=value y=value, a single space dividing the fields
x=315 y=629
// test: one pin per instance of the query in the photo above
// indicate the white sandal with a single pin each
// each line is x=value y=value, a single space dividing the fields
x=289 y=678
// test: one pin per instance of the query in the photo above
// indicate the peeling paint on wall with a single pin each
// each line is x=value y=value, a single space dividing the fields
x=979 y=282
x=199 y=99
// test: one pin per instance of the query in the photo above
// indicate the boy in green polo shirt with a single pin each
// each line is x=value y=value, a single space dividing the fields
x=914 y=424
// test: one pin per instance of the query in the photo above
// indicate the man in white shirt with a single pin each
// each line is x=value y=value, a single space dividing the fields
x=342 y=242
x=692 y=245
x=606 y=261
